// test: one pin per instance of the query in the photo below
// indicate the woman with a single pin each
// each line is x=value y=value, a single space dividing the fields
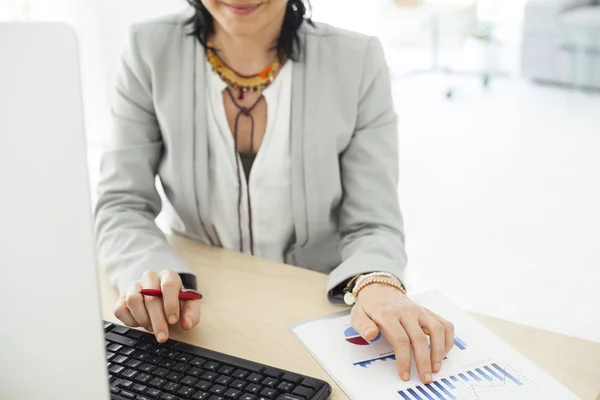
x=270 y=135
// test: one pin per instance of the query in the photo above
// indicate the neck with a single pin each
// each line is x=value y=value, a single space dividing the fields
x=247 y=55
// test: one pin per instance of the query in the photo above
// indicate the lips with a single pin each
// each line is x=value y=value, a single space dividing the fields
x=242 y=9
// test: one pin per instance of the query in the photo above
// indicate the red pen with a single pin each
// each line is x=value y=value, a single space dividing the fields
x=185 y=294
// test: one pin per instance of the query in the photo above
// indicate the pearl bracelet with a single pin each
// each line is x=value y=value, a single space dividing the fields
x=350 y=297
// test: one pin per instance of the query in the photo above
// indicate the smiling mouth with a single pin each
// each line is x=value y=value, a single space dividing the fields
x=242 y=9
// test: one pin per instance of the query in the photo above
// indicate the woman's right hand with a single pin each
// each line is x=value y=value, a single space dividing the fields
x=155 y=314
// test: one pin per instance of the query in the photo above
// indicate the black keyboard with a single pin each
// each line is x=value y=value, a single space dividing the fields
x=140 y=368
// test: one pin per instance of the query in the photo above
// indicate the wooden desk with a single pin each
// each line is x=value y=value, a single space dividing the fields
x=249 y=303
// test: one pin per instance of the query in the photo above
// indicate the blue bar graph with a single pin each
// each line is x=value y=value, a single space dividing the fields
x=443 y=389
x=452 y=387
x=448 y=383
x=483 y=374
x=458 y=342
x=506 y=374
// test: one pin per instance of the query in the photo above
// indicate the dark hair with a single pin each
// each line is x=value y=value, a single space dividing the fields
x=288 y=44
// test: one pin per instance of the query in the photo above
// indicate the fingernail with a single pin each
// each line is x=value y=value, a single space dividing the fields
x=161 y=337
x=172 y=319
x=428 y=378
x=406 y=376
x=437 y=367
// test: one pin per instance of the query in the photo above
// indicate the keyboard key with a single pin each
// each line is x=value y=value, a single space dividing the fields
x=212 y=366
x=186 y=392
x=167 y=396
x=175 y=377
x=240 y=374
x=248 y=396
x=226 y=370
x=133 y=333
x=304 y=391
x=111 y=379
x=232 y=394
x=125 y=341
x=253 y=388
x=139 y=388
x=255 y=378
x=133 y=363
x=197 y=362
x=127 y=351
x=161 y=372
x=218 y=390
x=109 y=355
x=195 y=372
x=273 y=372
x=153 y=359
x=291 y=377
x=287 y=396
x=143 y=378
x=153 y=393
x=238 y=384
x=125 y=384
x=312 y=383
x=116 y=369
x=203 y=386
x=115 y=390
x=157 y=383
x=223 y=358
x=181 y=367
x=166 y=363
x=127 y=395
x=129 y=373
x=285 y=387
x=147 y=368
x=171 y=354
x=268 y=393
x=171 y=387
x=107 y=326
x=144 y=346
x=270 y=382
x=141 y=355
x=209 y=376
x=142 y=398
x=119 y=359
x=188 y=381
x=201 y=396
x=223 y=380
x=215 y=397
x=114 y=347
x=121 y=330
x=183 y=358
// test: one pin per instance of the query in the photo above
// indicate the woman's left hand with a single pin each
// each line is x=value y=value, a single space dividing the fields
x=405 y=324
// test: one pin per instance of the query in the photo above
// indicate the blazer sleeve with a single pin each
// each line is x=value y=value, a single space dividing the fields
x=129 y=241
x=371 y=225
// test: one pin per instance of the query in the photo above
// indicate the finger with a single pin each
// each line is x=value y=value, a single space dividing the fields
x=122 y=313
x=190 y=314
x=363 y=324
x=135 y=303
x=435 y=330
x=448 y=331
x=170 y=284
x=396 y=335
x=154 y=306
x=420 y=345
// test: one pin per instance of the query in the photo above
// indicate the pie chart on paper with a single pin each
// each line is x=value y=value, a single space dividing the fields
x=353 y=337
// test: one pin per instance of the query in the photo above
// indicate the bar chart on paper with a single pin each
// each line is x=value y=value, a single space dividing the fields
x=485 y=382
x=479 y=367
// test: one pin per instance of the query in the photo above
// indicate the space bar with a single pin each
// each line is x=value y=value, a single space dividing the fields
x=220 y=357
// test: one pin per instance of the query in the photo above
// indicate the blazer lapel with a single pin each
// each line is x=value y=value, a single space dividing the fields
x=305 y=110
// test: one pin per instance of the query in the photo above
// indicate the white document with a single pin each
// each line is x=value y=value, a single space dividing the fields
x=479 y=367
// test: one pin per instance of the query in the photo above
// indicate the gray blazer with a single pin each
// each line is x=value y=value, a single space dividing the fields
x=344 y=156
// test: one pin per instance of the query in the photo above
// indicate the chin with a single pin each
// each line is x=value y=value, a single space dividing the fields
x=241 y=29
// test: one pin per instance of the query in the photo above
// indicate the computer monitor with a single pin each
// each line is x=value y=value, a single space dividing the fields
x=51 y=336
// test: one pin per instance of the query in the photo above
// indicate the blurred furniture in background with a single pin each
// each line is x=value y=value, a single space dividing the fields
x=451 y=23
x=561 y=42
